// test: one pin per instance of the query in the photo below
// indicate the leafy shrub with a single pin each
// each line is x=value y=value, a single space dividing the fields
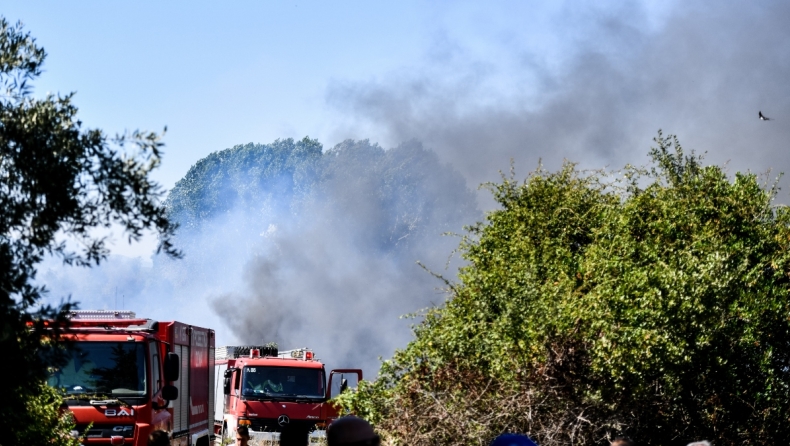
x=647 y=302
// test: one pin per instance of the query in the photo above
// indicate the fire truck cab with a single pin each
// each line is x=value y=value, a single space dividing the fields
x=126 y=376
x=268 y=391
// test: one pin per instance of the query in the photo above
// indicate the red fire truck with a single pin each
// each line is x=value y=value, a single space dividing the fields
x=268 y=391
x=127 y=376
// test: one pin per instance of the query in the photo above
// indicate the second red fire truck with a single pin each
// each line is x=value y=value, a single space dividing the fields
x=269 y=391
x=126 y=376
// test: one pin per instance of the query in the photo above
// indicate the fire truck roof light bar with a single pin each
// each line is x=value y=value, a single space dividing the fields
x=98 y=315
x=110 y=330
x=233 y=351
x=298 y=353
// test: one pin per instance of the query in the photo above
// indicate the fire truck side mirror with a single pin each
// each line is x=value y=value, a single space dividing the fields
x=228 y=374
x=169 y=393
x=343 y=385
x=172 y=367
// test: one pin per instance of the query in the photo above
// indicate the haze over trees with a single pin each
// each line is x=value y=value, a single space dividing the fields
x=59 y=182
x=403 y=192
x=648 y=302
x=328 y=241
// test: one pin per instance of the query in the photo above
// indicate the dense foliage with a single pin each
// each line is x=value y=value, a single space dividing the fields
x=58 y=183
x=250 y=176
x=651 y=303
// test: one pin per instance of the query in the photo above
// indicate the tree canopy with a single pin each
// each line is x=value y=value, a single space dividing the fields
x=649 y=302
x=287 y=177
x=59 y=183
x=245 y=175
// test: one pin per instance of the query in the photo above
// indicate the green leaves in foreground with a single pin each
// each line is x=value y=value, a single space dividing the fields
x=43 y=421
x=651 y=303
x=61 y=186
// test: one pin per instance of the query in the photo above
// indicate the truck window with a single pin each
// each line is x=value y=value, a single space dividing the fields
x=283 y=382
x=103 y=368
x=156 y=382
x=351 y=380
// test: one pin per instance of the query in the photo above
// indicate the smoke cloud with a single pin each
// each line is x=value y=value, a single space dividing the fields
x=693 y=70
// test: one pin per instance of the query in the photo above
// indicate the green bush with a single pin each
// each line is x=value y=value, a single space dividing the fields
x=42 y=421
x=649 y=302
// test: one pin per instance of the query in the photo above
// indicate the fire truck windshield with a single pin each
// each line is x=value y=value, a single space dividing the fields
x=112 y=369
x=283 y=382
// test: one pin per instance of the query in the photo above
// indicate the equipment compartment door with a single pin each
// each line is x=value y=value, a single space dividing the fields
x=199 y=412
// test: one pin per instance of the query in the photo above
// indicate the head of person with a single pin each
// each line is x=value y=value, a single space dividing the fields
x=158 y=438
x=512 y=440
x=622 y=441
x=242 y=435
x=351 y=431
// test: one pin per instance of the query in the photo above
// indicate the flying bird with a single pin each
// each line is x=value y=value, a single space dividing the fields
x=763 y=117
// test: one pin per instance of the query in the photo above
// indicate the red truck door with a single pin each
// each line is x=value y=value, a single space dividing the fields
x=335 y=388
x=356 y=373
x=338 y=382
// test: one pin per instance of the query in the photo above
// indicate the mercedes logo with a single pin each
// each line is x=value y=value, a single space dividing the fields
x=282 y=420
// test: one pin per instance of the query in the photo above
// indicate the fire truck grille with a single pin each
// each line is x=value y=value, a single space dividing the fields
x=106 y=430
x=270 y=424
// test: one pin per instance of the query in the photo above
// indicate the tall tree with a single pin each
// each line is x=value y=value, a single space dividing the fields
x=651 y=302
x=59 y=183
